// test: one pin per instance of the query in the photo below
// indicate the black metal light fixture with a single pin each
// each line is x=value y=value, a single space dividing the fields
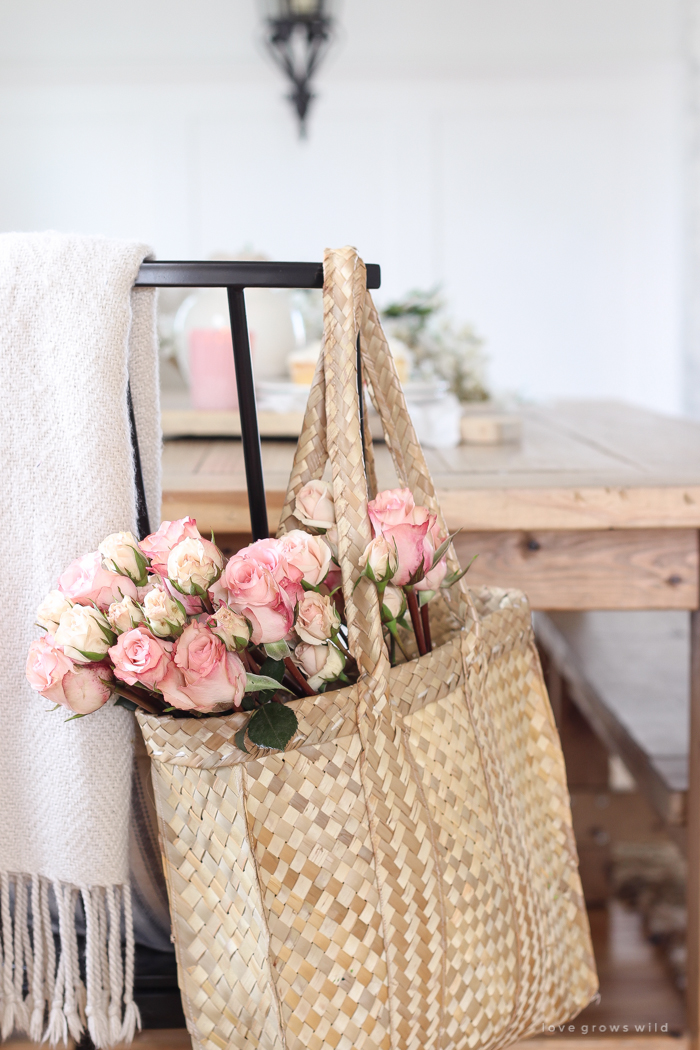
x=299 y=33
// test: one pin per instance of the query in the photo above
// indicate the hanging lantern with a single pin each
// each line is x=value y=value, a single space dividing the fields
x=299 y=33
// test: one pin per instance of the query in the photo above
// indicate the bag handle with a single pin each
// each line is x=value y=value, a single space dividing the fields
x=389 y=401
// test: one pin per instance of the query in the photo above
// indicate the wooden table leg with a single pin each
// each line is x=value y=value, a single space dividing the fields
x=693 y=840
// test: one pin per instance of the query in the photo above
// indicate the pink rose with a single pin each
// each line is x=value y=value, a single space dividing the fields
x=249 y=582
x=433 y=577
x=309 y=555
x=47 y=665
x=272 y=554
x=254 y=592
x=202 y=672
x=140 y=657
x=159 y=544
x=391 y=507
x=87 y=688
x=269 y=623
x=85 y=581
x=395 y=516
x=79 y=687
x=314 y=505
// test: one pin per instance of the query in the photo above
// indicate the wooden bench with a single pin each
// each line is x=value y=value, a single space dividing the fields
x=628 y=673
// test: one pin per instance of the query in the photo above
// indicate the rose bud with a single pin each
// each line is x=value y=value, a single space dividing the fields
x=124 y=615
x=317 y=618
x=47 y=666
x=194 y=565
x=48 y=614
x=331 y=538
x=202 y=674
x=86 y=688
x=120 y=554
x=164 y=616
x=433 y=579
x=394 y=601
x=231 y=628
x=314 y=505
x=86 y=580
x=320 y=663
x=158 y=545
x=84 y=630
x=140 y=657
x=379 y=560
x=310 y=555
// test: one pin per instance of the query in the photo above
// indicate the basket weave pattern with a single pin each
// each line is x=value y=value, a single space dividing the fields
x=404 y=875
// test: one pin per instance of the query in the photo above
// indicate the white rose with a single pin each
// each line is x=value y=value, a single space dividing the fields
x=124 y=615
x=380 y=557
x=394 y=600
x=120 y=554
x=82 y=630
x=49 y=613
x=314 y=505
x=317 y=618
x=320 y=663
x=231 y=628
x=163 y=615
x=194 y=565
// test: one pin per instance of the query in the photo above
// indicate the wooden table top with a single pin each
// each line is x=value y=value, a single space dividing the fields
x=580 y=465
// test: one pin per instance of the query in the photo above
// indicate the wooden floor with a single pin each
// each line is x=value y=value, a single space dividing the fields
x=635 y=990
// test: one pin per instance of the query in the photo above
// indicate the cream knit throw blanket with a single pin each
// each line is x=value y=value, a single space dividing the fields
x=72 y=330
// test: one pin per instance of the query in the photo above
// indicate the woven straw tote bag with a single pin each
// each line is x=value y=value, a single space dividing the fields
x=404 y=875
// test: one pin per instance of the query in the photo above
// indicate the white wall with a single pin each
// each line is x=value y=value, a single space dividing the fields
x=526 y=153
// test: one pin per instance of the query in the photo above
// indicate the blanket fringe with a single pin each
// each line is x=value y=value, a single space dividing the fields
x=57 y=1004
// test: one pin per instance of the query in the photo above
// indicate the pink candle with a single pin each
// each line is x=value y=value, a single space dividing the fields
x=212 y=371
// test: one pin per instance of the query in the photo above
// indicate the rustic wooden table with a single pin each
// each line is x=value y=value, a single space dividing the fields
x=598 y=507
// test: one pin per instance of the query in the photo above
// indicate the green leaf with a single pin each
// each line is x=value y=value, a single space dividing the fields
x=273 y=667
x=276 y=651
x=239 y=741
x=94 y=657
x=455 y=576
x=141 y=565
x=256 y=682
x=442 y=549
x=122 y=701
x=309 y=586
x=272 y=726
x=42 y=626
x=109 y=635
x=424 y=597
x=73 y=718
x=248 y=703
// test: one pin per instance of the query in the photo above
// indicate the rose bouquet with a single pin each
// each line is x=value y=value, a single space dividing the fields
x=169 y=625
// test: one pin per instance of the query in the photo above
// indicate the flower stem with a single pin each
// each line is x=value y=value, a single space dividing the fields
x=394 y=632
x=425 y=620
x=412 y=602
x=298 y=676
x=137 y=698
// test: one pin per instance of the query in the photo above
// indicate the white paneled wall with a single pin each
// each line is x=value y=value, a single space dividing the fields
x=528 y=154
